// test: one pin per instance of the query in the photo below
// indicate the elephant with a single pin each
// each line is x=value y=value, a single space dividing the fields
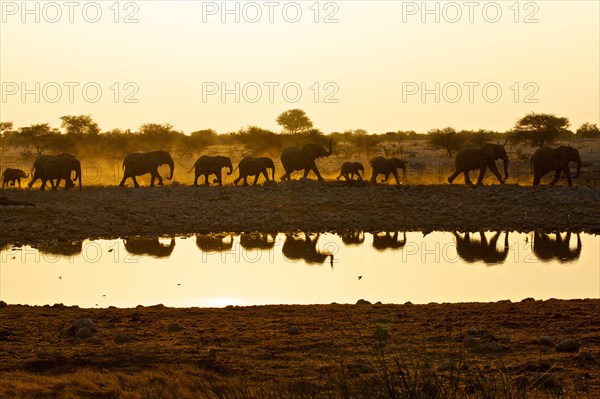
x=387 y=166
x=60 y=167
x=145 y=246
x=258 y=240
x=10 y=176
x=296 y=248
x=296 y=158
x=546 y=247
x=387 y=240
x=255 y=167
x=482 y=158
x=70 y=248
x=350 y=169
x=214 y=242
x=37 y=170
x=208 y=165
x=481 y=250
x=546 y=160
x=141 y=163
x=353 y=237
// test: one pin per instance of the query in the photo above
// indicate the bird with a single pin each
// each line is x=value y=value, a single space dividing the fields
x=59 y=277
x=359 y=277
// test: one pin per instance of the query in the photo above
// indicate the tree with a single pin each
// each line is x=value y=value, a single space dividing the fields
x=447 y=139
x=539 y=129
x=587 y=130
x=156 y=136
x=41 y=137
x=294 y=121
x=5 y=128
x=79 y=125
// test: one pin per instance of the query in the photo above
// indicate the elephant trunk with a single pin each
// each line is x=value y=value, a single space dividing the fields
x=78 y=175
x=230 y=170
x=172 y=166
x=505 y=168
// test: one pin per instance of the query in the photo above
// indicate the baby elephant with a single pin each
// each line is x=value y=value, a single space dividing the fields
x=11 y=175
x=350 y=169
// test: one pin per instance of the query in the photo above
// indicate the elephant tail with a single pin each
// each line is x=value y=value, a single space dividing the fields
x=231 y=171
x=190 y=171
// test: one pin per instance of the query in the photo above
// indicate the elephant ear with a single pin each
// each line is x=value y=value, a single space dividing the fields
x=563 y=152
x=490 y=151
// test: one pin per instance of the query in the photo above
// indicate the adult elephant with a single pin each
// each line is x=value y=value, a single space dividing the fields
x=69 y=248
x=208 y=165
x=141 y=163
x=557 y=159
x=482 y=158
x=145 y=246
x=38 y=167
x=547 y=247
x=351 y=169
x=59 y=167
x=12 y=176
x=257 y=240
x=387 y=167
x=296 y=158
x=214 y=242
x=481 y=250
x=255 y=167
x=296 y=248
x=387 y=240
x=353 y=237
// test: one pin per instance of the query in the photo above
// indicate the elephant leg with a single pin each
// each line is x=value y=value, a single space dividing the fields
x=235 y=182
x=206 y=182
x=135 y=182
x=196 y=176
x=395 y=174
x=219 y=178
x=482 y=171
x=374 y=177
x=314 y=168
x=567 y=172
x=255 y=179
x=19 y=181
x=159 y=178
x=467 y=178
x=453 y=176
x=495 y=171
x=536 y=178
x=246 y=180
x=122 y=184
x=556 y=177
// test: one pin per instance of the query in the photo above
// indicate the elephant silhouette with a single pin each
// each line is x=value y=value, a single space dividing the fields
x=149 y=247
x=471 y=250
x=257 y=240
x=68 y=248
x=547 y=247
x=356 y=237
x=214 y=242
x=298 y=248
x=388 y=240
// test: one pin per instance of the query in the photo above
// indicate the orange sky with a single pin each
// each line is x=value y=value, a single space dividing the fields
x=376 y=65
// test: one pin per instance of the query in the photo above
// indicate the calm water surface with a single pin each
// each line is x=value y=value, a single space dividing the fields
x=255 y=269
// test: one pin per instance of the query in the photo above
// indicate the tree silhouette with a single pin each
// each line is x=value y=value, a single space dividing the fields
x=588 y=131
x=539 y=129
x=79 y=125
x=447 y=139
x=40 y=136
x=294 y=121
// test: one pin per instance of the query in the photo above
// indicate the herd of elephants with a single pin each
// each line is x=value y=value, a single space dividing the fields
x=55 y=168
x=470 y=247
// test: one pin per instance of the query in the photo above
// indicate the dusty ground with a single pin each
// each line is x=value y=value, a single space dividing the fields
x=286 y=345
x=110 y=212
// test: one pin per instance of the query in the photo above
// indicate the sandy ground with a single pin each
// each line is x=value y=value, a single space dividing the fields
x=311 y=344
x=110 y=212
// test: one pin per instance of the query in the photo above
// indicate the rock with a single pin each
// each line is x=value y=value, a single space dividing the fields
x=294 y=330
x=83 y=332
x=469 y=341
x=472 y=331
x=174 y=327
x=408 y=303
x=381 y=335
x=270 y=183
x=81 y=323
x=567 y=345
x=58 y=306
x=363 y=302
x=528 y=300
x=447 y=365
x=123 y=339
x=586 y=357
x=545 y=340
x=3 y=304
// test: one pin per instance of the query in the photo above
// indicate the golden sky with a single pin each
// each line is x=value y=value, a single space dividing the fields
x=377 y=65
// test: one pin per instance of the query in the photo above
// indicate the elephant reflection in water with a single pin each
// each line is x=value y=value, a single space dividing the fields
x=353 y=237
x=295 y=247
x=69 y=248
x=388 y=240
x=148 y=246
x=547 y=247
x=257 y=240
x=481 y=250
x=214 y=242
